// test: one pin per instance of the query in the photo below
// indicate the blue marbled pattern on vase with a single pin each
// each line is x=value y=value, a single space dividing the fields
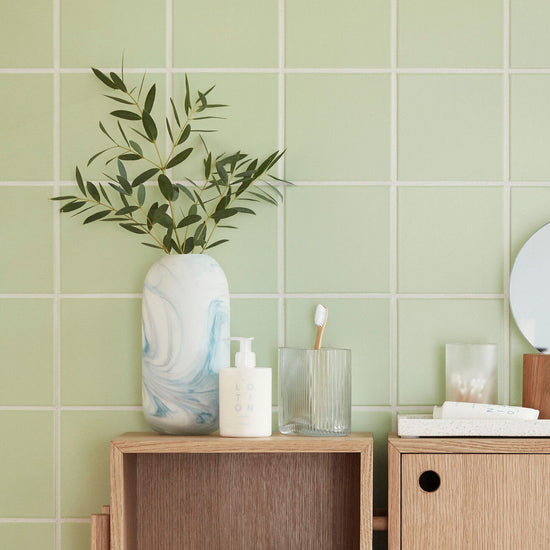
x=185 y=332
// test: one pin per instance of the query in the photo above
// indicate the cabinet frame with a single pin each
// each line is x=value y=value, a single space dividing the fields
x=126 y=449
x=397 y=447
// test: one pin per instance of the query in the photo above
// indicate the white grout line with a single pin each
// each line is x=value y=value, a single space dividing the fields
x=505 y=387
x=285 y=70
x=281 y=174
x=290 y=295
x=393 y=221
x=57 y=265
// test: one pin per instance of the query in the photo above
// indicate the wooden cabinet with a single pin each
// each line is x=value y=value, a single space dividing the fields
x=209 y=492
x=465 y=494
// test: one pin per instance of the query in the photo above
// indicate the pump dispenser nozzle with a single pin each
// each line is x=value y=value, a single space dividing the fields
x=245 y=357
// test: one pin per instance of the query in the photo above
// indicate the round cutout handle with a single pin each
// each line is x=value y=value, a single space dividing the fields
x=429 y=481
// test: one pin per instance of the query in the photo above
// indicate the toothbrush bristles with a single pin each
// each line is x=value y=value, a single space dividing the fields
x=320 y=315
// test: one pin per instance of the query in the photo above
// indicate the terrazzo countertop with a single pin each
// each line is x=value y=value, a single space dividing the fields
x=423 y=425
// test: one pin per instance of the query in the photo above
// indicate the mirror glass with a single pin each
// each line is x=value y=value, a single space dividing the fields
x=530 y=290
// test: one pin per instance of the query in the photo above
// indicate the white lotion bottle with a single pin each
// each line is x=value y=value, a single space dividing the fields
x=245 y=396
x=478 y=411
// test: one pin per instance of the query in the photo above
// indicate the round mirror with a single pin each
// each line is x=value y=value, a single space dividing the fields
x=530 y=290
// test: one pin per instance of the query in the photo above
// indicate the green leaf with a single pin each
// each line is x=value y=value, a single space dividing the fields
x=141 y=194
x=62 y=198
x=179 y=158
x=105 y=196
x=132 y=228
x=117 y=81
x=152 y=245
x=145 y=176
x=265 y=197
x=149 y=126
x=97 y=216
x=184 y=135
x=141 y=134
x=122 y=133
x=97 y=155
x=208 y=166
x=244 y=210
x=175 y=111
x=129 y=156
x=136 y=147
x=166 y=187
x=222 y=214
x=79 y=181
x=186 y=191
x=119 y=99
x=222 y=173
x=126 y=210
x=150 y=99
x=188 y=245
x=187 y=96
x=102 y=128
x=122 y=169
x=126 y=115
x=200 y=201
x=117 y=188
x=192 y=210
x=125 y=184
x=70 y=206
x=169 y=130
x=104 y=78
x=189 y=220
x=141 y=85
x=92 y=189
x=163 y=219
x=221 y=241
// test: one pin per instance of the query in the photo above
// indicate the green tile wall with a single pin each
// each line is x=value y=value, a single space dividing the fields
x=417 y=135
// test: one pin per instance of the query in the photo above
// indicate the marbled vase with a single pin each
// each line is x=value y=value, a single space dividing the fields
x=185 y=330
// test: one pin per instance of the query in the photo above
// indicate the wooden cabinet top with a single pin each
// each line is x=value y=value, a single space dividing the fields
x=150 y=442
x=507 y=445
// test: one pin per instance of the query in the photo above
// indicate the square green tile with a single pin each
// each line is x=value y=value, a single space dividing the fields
x=98 y=34
x=338 y=127
x=249 y=259
x=75 y=536
x=27 y=536
x=103 y=257
x=529 y=127
x=530 y=210
x=26 y=341
x=379 y=423
x=450 y=127
x=85 y=447
x=83 y=105
x=529 y=38
x=26 y=246
x=27 y=474
x=357 y=324
x=101 y=351
x=349 y=33
x=425 y=326
x=337 y=239
x=465 y=253
x=241 y=33
x=26 y=134
x=258 y=318
x=445 y=33
x=251 y=118
x=26 y=37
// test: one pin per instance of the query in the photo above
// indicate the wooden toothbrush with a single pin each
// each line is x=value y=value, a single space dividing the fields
x=321 y=316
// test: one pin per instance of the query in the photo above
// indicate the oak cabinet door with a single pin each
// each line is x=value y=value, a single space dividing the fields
x=475 y=501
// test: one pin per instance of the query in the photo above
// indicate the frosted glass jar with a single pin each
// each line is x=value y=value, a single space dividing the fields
x=471 y=372
x=315 y=391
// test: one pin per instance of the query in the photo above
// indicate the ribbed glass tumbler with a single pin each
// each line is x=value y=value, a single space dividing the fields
x=315 y=391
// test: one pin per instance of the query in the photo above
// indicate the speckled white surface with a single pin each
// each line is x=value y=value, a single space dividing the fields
x=423 y=425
